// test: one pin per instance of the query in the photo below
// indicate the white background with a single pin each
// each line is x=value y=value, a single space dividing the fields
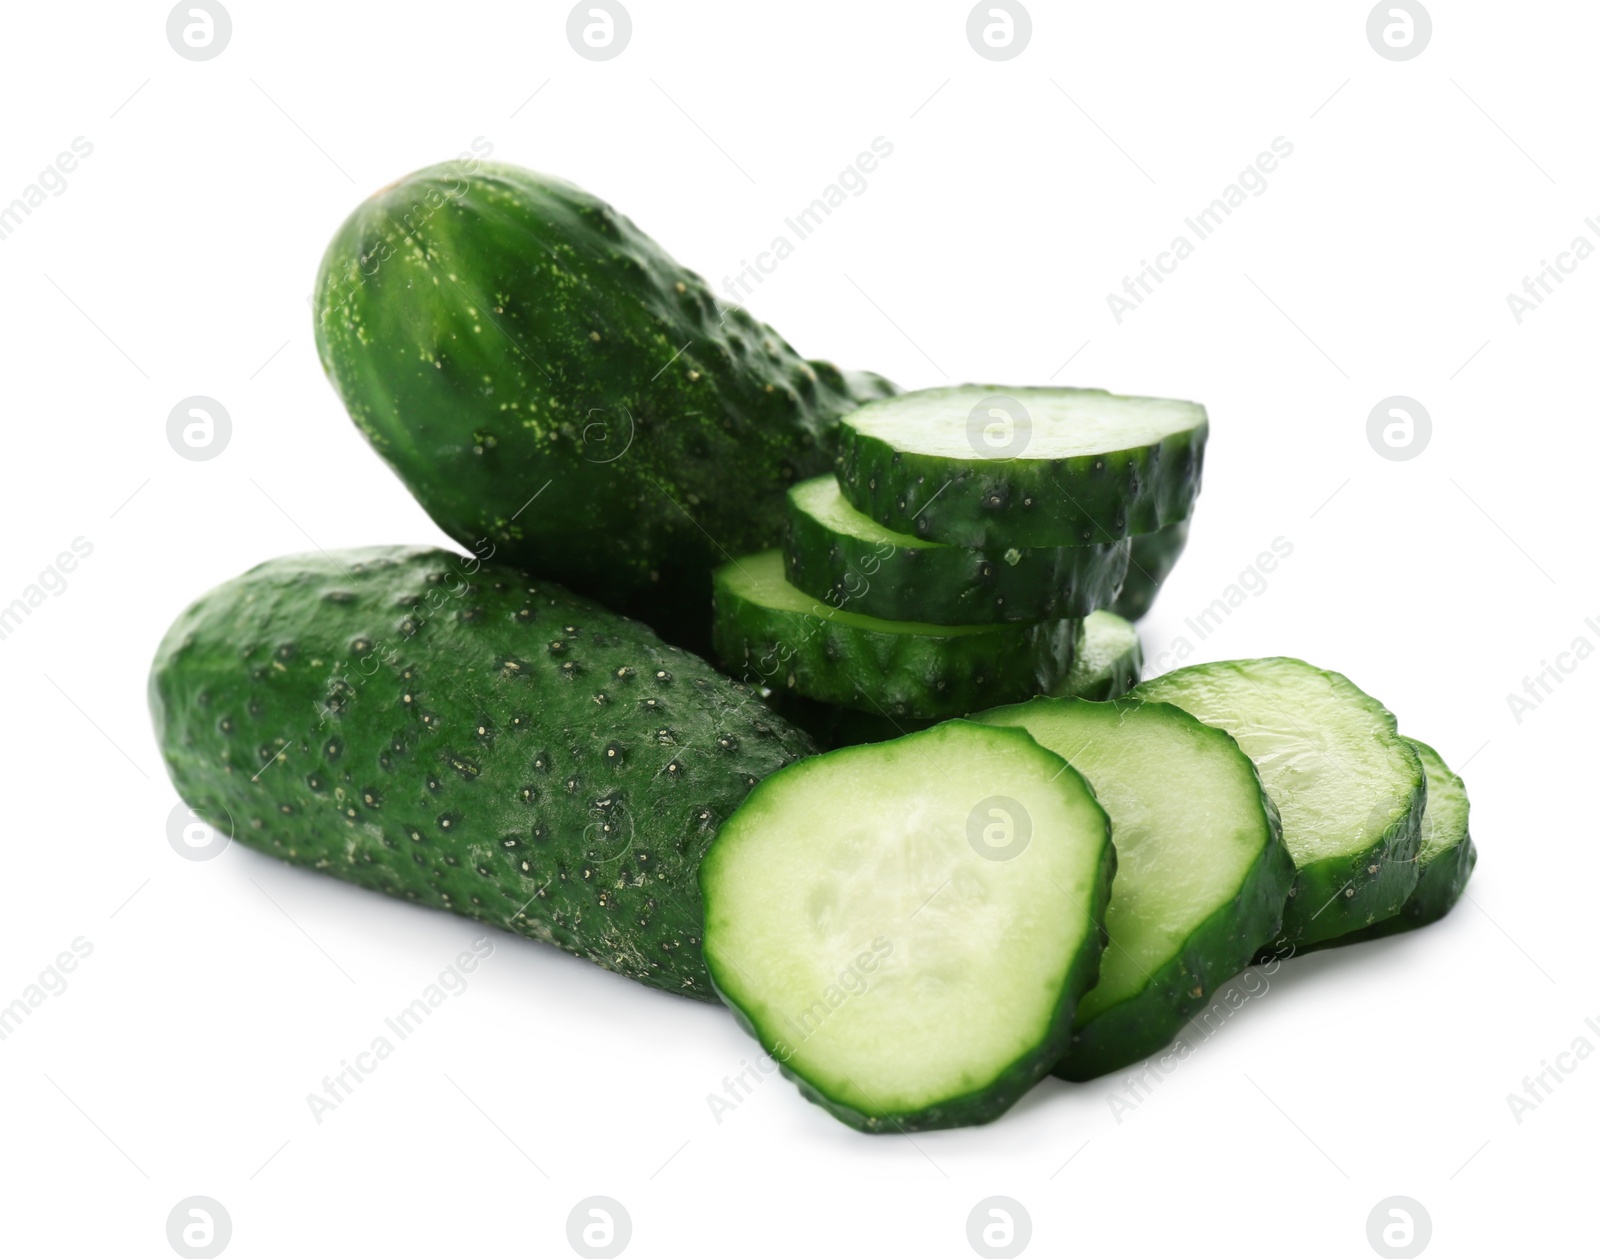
x=178 y=261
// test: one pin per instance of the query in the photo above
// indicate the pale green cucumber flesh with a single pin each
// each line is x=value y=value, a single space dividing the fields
x=1150 y=562
x=907 y=927
x=994 y=467
x=837 y=554
x=1445 y=857
x=770 y=634
x=1202 y=875
x=1349 y=790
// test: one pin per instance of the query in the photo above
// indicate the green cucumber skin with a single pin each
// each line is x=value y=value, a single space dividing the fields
x=1333 y=897
x=987 y=1104
x=896 y=675
x=331 y=707
x=949 y=585
x=1106 y=666
x=1440 y=884
x=498 y=334
x=1150 y=563
x=1219 y=949
x=1005 y=503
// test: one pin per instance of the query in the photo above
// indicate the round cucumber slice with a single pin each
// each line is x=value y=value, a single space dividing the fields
x=1150 y=562
x=907 y=927
x=1350 y=791
x=1202 y=874
x=835 y=553
x=985 y=466
x=774 y=635
x=1108 y=662
x=1105 y=666
x=1445 y=857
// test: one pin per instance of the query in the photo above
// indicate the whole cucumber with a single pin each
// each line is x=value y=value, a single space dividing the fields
x=457 y=734
x=543 y=376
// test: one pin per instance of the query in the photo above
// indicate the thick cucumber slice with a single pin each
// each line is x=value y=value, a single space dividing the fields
x=1202 y=875
x=977 y=465
x=1350 y=791
x=773 y=635
x=1105 y=666
x=1108 y=662
x=907 y=927
x=1445 y=857
x=1151 y=561
x=849 y=560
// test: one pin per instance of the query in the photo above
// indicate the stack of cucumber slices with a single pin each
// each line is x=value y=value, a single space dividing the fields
x=974 y=547
x=1083 y=865
x=1011 y=857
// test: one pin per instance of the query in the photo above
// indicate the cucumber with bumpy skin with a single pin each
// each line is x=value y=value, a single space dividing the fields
x=1445 y=857
x=982 y=466
x=465 y=737
x=545 y=378
x=1202 y=875
x=834 y=553
x=1105 y=666
x=1349 y=790
x=770 y=634
x=907 y=927
x=1150 y=563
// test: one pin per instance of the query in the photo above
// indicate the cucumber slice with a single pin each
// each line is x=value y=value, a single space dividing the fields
x=1445 y=857
x=977 y=465
x=1202 y=874
x=1105 y=666
x=1108 y=661
x=836 y=554
x=1151 y=561
x=1350 y=791
x=774 y=635
x=907 y=927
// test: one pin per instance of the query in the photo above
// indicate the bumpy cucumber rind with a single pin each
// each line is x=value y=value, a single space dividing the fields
x=1150 y=563
x=990 y=1102
x=1440 y=880
x=828 y=654
x=900 y=578
x=1220 y=948
x=545 y=378
x=464 y=737
x=1022 y=502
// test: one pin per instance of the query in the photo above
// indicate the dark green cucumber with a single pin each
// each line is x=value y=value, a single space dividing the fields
x=1445 y=857
x=465 y=737
x=984 y=466
x=1151 y=561
x=834 y=553
x=1202 y=874
x=907 y=927
x=546 y=379
x=1350 y=791
x=1108 y=662
x=1105 y=666
x=770 y=634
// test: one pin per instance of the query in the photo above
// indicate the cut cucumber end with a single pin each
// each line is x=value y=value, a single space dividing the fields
x=907 y=927
x=1201 y=873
